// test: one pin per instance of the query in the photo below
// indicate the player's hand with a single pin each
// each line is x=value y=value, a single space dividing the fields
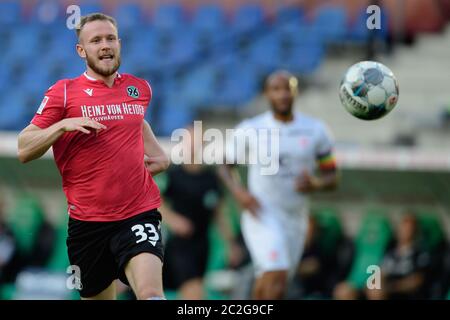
x=82 y=124
x=182 y=226
x=156 y=164
x=306 y=183
x=247 y=201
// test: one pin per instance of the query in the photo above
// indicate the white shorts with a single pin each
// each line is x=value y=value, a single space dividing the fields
x=275 y=239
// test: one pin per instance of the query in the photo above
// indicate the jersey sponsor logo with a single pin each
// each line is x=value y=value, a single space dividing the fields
x=42 y=105
x=112 y=111
x=133 y=91
x=89 y=91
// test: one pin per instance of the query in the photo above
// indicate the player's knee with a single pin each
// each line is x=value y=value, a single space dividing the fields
x=274 y=286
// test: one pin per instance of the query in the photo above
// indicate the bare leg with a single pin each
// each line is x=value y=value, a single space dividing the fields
x=272 y=285
x=144 y=273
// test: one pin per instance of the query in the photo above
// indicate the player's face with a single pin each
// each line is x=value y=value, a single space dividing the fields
x=100 y=46
x=280 y=95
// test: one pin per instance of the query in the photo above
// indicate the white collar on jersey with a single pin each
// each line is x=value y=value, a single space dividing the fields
x=93 y=79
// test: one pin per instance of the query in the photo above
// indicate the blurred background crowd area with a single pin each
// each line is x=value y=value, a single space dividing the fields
x=208 y=60
x=344 y=241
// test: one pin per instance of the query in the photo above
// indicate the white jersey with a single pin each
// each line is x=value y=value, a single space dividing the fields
x=301 y=141
x=276 y=236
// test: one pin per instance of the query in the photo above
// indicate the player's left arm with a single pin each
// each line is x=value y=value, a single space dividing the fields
x=327 y=173
x=156 y=159
x=327 y=178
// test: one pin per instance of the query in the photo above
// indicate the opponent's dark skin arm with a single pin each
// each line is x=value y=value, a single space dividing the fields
x=230 y=177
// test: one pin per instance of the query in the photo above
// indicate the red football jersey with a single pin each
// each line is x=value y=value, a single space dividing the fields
x=103 y=175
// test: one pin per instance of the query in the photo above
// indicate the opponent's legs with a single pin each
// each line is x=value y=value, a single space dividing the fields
x=271 y=285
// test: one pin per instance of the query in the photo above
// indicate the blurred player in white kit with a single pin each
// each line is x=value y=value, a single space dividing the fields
x=276 y=206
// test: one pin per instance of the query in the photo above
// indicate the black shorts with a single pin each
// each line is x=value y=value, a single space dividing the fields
x=101 y=250
x=185 y=259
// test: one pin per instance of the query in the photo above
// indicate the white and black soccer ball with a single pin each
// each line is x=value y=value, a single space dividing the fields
x=369 y=90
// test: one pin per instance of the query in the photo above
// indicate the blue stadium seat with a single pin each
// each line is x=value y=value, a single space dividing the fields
x=5 y=77
x=303 y=50
x=209 y=18
x=331 y=23
x=304 y=35
x=128 y=15
x=199 y=86
x=175 y=113
x=265 y=52
x=36 y=78
x=73 y=69
x=48 y=13
x=239 y=85
x=248 y=17
x=62 y=45
x=289 y=14
x=289 y=18
x=10 y=12
x=91 y=7
x=184 y=48
x=169 y=17
x=24 y=43
x=303 y=59
x=144 y=51
x=143 y=42
x=13 y=110
x=359 y=33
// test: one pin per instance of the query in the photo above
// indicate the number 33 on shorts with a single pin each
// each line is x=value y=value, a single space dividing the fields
x=146 y=232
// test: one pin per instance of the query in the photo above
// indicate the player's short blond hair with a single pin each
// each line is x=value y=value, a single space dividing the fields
x=94 y=17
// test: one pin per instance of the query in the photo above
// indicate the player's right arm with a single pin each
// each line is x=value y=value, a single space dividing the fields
x=49 y=124
x=34 y=142
x=230 y=177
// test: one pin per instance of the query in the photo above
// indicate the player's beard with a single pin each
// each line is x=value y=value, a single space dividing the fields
x=283 y=111
x=106 y=72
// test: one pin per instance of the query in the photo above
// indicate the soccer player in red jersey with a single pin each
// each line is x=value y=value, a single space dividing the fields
x=107 y=154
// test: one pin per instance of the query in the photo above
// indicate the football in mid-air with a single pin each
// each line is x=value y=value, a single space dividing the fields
x=369 y=90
